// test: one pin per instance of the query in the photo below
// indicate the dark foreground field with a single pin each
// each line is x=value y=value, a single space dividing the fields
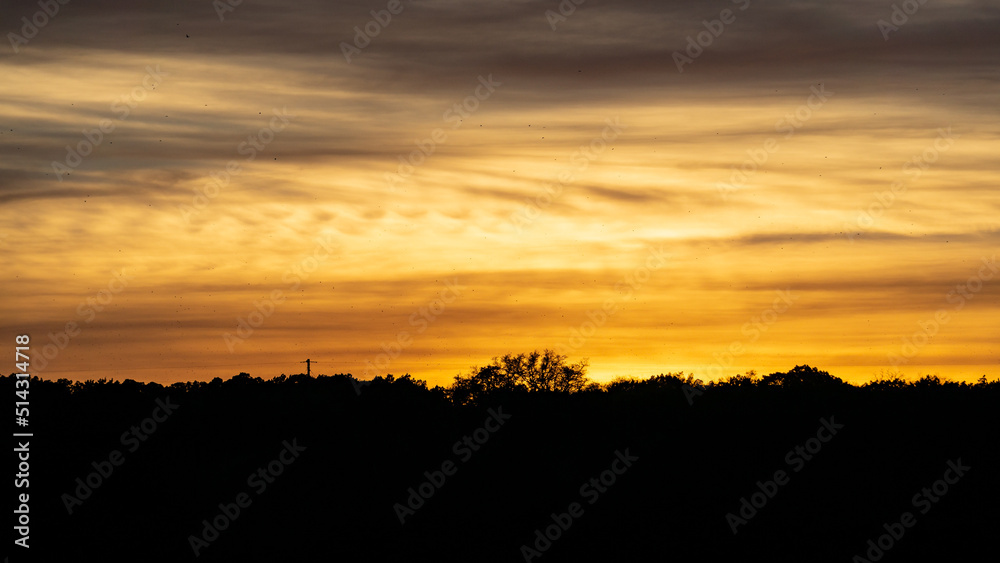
x=325 y=470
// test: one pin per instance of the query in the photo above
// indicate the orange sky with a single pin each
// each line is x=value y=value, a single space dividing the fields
x=580 y=174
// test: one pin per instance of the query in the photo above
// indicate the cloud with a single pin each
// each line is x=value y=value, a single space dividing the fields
x=129 y=201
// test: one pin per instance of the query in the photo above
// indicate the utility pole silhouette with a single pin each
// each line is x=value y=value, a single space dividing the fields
x=308 y=370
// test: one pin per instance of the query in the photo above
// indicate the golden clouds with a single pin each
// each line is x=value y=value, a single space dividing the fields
x=747 y=175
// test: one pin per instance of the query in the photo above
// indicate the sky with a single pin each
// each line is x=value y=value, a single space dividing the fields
x=195 y=189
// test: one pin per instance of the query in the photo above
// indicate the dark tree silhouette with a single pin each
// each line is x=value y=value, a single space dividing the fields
x=482 y=485
x=802 y=376
x=533 y=372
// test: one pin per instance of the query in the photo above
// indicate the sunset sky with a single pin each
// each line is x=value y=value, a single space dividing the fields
x=806 y=187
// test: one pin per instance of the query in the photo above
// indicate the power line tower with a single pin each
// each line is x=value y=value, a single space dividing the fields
x=308 y=369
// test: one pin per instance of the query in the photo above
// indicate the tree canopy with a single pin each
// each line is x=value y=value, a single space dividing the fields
x=532 y=372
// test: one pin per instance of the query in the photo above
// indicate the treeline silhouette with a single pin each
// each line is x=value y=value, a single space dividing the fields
x=503 y=452
x=535 y=372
